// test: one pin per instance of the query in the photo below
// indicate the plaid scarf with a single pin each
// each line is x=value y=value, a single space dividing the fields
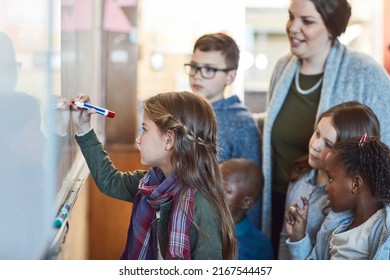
x=155 y=190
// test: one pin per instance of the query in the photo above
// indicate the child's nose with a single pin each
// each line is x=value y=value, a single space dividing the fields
x=317 y=145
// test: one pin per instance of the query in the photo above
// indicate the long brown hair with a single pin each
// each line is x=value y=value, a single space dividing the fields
x=194 y=156
x=350 y=119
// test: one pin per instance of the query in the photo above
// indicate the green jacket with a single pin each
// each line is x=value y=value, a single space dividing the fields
x=205 y=233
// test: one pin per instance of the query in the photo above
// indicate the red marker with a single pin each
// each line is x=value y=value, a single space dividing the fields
x=99 y=110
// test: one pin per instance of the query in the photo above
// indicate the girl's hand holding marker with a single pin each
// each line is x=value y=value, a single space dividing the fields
x=99 y=110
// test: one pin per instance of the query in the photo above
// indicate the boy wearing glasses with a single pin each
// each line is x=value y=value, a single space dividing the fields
x=213 y=67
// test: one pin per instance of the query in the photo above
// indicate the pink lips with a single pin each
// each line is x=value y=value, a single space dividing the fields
x=313 y=157
x=197 y=87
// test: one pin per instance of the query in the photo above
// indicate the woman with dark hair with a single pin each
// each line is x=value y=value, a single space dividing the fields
x=319 y=73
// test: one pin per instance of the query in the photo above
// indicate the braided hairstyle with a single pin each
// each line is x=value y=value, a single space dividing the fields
x=369 y=158
x=194 y=156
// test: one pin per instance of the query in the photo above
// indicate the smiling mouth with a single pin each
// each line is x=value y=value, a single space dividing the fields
x=295 y=41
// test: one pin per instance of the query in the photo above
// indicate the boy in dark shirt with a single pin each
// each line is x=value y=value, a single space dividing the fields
x=242 y=179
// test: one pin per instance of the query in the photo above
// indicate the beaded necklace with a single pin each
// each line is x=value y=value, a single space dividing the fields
x=309 y=90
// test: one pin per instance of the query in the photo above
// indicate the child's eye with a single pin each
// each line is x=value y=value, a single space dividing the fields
x=209 y=70
x=330 y=179
x=329 y=144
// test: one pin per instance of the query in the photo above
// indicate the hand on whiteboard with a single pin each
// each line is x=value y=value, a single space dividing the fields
x=62 y=114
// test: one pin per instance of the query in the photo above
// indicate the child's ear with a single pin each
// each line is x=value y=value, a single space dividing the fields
x=247 y=202
x=357 y=184
x=169 y=139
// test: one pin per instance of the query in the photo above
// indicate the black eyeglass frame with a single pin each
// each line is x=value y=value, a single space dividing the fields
x=189 y=69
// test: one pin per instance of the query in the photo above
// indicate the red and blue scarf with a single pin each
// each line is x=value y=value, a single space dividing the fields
x=155 y=190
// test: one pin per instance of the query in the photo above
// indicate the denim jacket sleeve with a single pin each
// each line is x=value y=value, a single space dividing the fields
x=301 y=249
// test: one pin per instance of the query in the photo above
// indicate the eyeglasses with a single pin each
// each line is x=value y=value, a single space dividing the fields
x=206 y=72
